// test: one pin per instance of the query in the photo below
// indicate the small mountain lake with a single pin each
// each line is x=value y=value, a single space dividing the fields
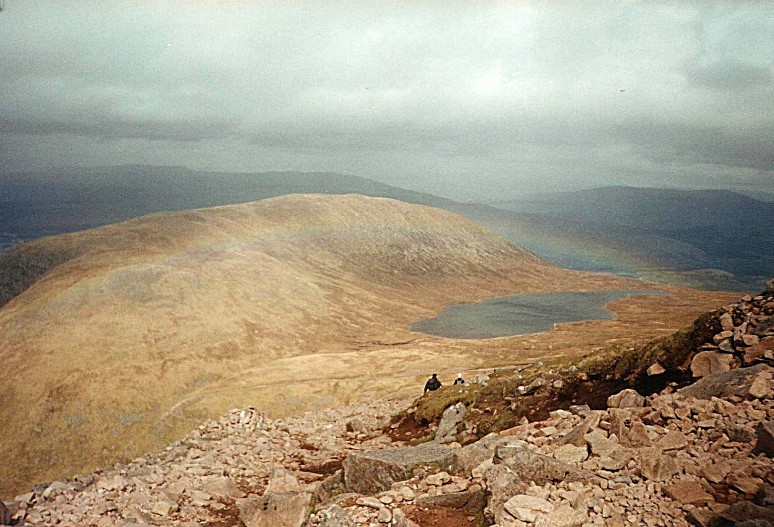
x=521 y=314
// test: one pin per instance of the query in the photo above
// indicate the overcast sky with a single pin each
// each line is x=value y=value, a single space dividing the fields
x=469 y=100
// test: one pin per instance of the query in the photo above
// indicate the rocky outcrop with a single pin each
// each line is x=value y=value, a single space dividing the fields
x=674 y=459
x=746 y=338
x=284 y=466
x=701 y=454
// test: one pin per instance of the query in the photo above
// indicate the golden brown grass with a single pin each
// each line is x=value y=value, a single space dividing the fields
x=287 y=304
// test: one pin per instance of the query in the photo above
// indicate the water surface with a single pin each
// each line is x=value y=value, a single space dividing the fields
x=521 y=314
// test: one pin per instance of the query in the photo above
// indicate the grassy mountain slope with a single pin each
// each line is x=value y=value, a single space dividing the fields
x=138 y=330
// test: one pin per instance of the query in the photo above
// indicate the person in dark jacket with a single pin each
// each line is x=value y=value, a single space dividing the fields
x=459 y=379
x=432 y=383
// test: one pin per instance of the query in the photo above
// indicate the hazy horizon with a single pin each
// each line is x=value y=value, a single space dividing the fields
x=478 y=102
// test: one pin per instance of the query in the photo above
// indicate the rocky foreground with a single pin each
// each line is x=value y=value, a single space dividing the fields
x=697 y=455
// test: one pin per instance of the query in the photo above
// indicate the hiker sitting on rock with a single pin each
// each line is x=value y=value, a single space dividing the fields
x=459 y=379
x=432 y=384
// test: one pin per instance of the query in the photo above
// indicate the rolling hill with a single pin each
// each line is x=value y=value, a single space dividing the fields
x=39 y=204
x=693 y=238
x=135 y=331
x=131 y=321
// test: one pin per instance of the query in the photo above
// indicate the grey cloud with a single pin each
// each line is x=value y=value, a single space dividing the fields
x=731 y=76
x=148 y=129
x=476 y=98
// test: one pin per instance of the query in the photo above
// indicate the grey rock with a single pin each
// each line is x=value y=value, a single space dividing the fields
x=452 y=417
x=575 y=436
x=711 y=362
x=627 y=398
x=471 y=501
x=356 y=425
x=532 y=387
x=579 y=409
x=283 y=481
x=502 y=483
x=732 y=383
x=537 y=468
x=375 y=471
x=526 y=508
x=564 y=516
x=470 y=456
x=164 y=507
x=334 y=516
x=765 y=443
x=222 y=487
x=399 y=519
x=5 y=514
x=275 y=509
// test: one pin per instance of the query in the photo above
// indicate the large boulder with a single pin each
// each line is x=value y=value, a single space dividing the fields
x=284 y=503
x=471 y=456
x=452 y=417
x=745 y=511
x=502 y=483
x=688 y=492
x=375 y=471
x=537 y=468
x=708 y=362
x=765 y=443
x=731 y=383
x=656 y=466
x=627 y=398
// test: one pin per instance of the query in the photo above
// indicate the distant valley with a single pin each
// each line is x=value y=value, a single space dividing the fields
x=715 y=240
x=702 y=238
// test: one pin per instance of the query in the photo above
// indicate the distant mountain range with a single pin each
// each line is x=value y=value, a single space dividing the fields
x=33 y=205
x=705 y=239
